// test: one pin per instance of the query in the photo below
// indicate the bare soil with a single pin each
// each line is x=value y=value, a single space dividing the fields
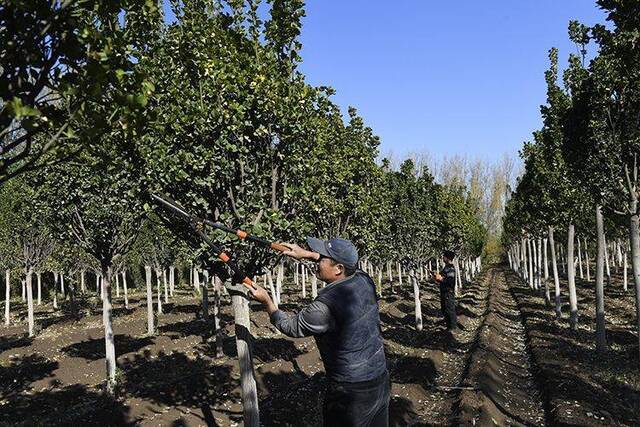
x=511 y=363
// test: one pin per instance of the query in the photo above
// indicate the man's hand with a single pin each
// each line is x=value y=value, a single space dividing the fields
x=299 y=253
x=438 y=277
x=261 y=295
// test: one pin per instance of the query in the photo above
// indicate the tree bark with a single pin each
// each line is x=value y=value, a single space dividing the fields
x=117 y=286
x=556 y=278
x=634 y=238
x=601 y=334
x=399 y=274
x=586 y=260
x=166 y=286
x=244 y=343
x=172 y=280
x=625 y=269
x=150 y=329
x=124 y=288
x=82 y=285
x=29 y=287
x=159 y=292
x=416 y=300
x=217 y=285
x=606 y=258
x=580 y=258
x=530 y=273
x=571 y=279
x=55 y=290
x=110 y=349
x=546 y=259
x=39 y=278
x=314 y=286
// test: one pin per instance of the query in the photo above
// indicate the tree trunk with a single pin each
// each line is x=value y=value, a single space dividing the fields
x=62 y=292
x=172 y=280
x=110 y=349
x=554 y=267
x=7 y=295
x=217 y=286
x=166 y=286
x=586 y=259
x=28 y=284
x=634 y=237
x=124 y=288
x=83 y=288
x=601 y=334
x=416 y=300
x=379 y=284
x=625 y=268
x=55 y=290
x=314 y=286
x=580 y=258
x=159 y=292
x=530 y=273
x=117 y=286
x=399 y=274
x=536 y=264
x=39 y=278
x=606 y=259
x=244 y=343
x=571 y=278
x=546 y=259
x=272 y=288
x=150 y=329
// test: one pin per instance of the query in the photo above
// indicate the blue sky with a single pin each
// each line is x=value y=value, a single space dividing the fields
x=457 y=77
x=463 y=76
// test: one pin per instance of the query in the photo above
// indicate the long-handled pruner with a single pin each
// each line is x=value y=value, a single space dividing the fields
x=195 y=224
x=174 y=206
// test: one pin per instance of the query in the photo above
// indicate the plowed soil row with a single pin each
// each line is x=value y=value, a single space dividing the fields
x=583 y=387
x=499 y=386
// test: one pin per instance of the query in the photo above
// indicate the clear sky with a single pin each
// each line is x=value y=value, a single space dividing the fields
x=462 y=76
x=446 y=77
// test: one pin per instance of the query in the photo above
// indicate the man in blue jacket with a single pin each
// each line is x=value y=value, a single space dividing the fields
x=345 y=323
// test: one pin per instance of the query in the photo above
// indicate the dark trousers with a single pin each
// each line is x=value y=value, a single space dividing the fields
x=448 y=306
x=359 y=404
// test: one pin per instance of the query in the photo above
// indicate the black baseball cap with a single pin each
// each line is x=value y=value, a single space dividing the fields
x=338 y=249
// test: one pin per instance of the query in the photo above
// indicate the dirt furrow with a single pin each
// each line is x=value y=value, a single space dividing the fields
x=499 y=385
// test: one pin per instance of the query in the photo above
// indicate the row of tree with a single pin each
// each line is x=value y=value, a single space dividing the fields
x=580 y=180
x=105 y=104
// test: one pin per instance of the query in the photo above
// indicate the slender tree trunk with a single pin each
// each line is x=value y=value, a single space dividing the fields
x=244 y=343
x=556 y=278
x=172 y=279
x=159 y=292
x=586 y=260
x=117 y=286
x=379 y=284
x=416 y=300
x=546 y=259
x=601 y=334
x=580 y=258
x=196 y=279
x=399 y=274
x=536 y=261
x=108 y=331
x=62 y=291
x=39 y=278
x=606 y=260
x=166 y=286
x=150 y=328
x=634 y=238
x=314 y=286
x=55 y=290
x=217 y=286
x=7 y=295
x=28 y=284
x=531 y=273
x=83 y=288
x=571 y=275
x=124 y=288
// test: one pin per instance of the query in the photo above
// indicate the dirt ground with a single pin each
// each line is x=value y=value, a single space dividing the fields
x=512 y=363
